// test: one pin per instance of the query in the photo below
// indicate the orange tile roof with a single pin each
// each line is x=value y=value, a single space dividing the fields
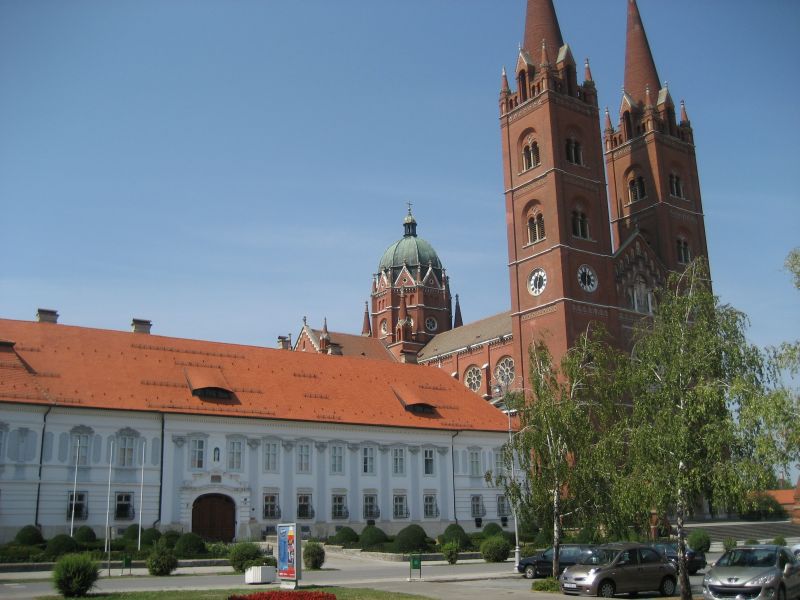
x=355 y=345
x=80 y=366
x=784 y=497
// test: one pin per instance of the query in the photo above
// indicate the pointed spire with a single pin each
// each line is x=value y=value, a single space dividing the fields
x=609 y=126
x=325 y=335
x=545 y=56
x=648 y=100
x=504 y=87
x=587 y=71
x=541 y=23
x=457 y=320
x=640 y=69
x=684 y=114
x=366 y=328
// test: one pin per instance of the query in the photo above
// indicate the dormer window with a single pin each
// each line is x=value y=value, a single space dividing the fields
x=421 y=408
x=211 y=393
x=208 y=384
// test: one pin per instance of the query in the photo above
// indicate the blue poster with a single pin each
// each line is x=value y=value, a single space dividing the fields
x=288 y=551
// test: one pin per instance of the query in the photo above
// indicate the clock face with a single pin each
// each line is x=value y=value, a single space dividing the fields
x=431 y=324
x=587 y=278
x=537 y=282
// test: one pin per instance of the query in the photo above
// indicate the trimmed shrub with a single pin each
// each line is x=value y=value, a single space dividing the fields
x=456 y=533
x=411 y=538
x=371 y=537
x=313 y=555
x=169 y=538
x=779 y=540
x=346 y=535
x=161 y=562
x=60 y=545
x=150 y=536
x=548 y=584
x=729 y=543
x=188 y=545
x=74 y=575
x=242 y=553
x=218 y=549
x=131 y=533
x=495 y=549
x=85 y=535
x=29 y=536
x=450 y=552
x=14 y=553
x=751 y=542
x=263 y=561
x=699 y=541
x=491 y=530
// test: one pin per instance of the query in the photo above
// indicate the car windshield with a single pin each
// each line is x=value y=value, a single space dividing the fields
x=748 y=557
x=601 y=556
x=667 y=547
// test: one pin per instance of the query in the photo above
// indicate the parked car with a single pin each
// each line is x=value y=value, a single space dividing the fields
x=695 y=560
x=620 y=568
x=796 y=549
x=541 y=563
x=755 y=573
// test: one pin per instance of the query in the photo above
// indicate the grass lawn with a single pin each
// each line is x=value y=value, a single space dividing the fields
x=341 y=594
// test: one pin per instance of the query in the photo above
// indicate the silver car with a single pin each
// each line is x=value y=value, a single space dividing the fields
x=762 y=572
x=619 y=568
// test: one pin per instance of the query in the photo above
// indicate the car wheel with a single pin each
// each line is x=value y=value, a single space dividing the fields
x=606 y=589
x=667 y=586
x=530 y=573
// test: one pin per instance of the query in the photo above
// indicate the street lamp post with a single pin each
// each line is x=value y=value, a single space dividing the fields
x=501 y=390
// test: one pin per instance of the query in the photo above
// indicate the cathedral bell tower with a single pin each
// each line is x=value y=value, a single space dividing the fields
x=559 y=246
x=654 y=186
x=410 y=295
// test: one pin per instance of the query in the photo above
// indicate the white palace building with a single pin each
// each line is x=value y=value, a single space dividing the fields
x=232 y=439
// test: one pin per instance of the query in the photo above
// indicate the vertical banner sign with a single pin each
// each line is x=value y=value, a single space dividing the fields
x=289 y=552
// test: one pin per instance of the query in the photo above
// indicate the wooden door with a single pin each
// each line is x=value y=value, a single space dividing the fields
x=214 y=518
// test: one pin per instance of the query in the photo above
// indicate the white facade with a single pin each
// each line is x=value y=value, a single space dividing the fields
x=323 y=475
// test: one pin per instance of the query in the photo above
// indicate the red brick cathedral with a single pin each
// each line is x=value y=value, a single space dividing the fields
x=595 y=221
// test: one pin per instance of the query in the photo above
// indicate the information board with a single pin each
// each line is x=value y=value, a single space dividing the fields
x=289 y=552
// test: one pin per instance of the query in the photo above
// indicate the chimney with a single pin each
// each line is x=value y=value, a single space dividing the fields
x=47 y=315
x=141 y=326
x=284 y=342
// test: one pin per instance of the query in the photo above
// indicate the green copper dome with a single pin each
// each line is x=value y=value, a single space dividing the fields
x=410 y=250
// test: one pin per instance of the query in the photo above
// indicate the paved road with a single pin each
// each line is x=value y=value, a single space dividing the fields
x=469 y=580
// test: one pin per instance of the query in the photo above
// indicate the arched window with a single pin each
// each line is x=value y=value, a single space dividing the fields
x=580 y=225
x=536 y=228
x=530 y=156
x=642 y=297
x=523 y=86
x=684 y=253
x=628 y=123
x=574 y=152
x=636 y=189
x=675 y=186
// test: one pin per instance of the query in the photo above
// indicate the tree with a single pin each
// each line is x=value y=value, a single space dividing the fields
x=563 y=439
x=703 y=422
x=792 y=265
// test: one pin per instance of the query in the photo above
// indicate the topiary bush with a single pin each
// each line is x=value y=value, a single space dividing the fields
x=729 y=543
x=60 y=545
x=150 y=536
x=161 y=562
x=189 y=545
x=29 y=536
x=372 y=537
x=548 y=584
x=346 y=535
x=779 y=540
x=699 y=541
x=168 y=539
x=491 y=530
x=495 y=549
x=131 y=533
x=456 y=533
x=411 y=538
x=242 y=553
x=85 y=535
x=74 y=575
x=313 y=555
x=450 y=552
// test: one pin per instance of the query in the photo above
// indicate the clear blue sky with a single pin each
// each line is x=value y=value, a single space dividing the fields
x=226 y=167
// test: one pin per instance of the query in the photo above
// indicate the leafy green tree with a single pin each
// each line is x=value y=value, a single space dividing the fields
x=792 y=265
x=565 y=442
x=702 y=421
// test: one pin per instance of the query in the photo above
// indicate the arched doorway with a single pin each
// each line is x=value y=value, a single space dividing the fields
x=214 y=517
